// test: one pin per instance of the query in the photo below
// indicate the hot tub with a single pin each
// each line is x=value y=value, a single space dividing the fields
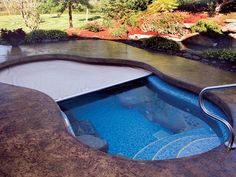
x=146 y=119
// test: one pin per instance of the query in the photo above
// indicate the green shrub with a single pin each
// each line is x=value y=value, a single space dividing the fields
x=165 y=23
x=196 y=6
x=13 y=37
x=207 y=27
x=107 y=23
x=158 y=6
x=121 y=9
x=132 y=20
x=161 y=43
x=93 y=26
x=137 y=5
x=119 y=32
x=229 y=7
x=39 y=36
x=221 y=54
x=116 y=9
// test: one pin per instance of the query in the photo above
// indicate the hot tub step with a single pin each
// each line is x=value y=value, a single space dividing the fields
x=199 y=145
x=149 y=152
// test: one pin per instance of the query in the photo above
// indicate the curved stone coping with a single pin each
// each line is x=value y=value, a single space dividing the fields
x=34 y=140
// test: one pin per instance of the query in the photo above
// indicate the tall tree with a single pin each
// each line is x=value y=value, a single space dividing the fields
x=70 y=5
x=28 y=10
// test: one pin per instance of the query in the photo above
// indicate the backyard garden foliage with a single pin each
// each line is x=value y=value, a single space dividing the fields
x=206 y=26
x=162 y=44
x=13 y=37
x=221 y=54
x=39 y=36
x=164 y=23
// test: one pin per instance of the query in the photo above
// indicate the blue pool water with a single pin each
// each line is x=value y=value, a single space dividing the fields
x=148 y=119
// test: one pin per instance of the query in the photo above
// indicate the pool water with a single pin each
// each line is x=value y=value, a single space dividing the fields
x=148 y=119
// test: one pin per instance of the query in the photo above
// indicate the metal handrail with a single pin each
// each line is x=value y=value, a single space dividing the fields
x=230 y=142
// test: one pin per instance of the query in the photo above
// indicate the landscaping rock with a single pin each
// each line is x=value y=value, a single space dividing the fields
x=230 y=21
x=187 y=55
x=188 y=25
x=195 y=57
x=201 y=40
x=139 y=36
x=231 y=27
x=93 y=142
x=233 y=35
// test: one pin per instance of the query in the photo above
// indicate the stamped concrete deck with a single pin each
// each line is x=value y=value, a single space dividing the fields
x=34 y=141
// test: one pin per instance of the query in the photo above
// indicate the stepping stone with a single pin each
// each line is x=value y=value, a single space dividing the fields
x=93 y=142
x=231 y=27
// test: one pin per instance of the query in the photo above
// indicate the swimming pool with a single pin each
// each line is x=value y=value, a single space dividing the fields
x=146 y=119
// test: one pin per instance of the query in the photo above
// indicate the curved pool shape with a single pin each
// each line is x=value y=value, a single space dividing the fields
x=146 y=119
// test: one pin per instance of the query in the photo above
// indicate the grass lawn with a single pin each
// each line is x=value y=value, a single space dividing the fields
x=48 y=21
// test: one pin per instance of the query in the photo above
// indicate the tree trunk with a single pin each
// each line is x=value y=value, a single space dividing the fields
x=6 y=5
x=87 y=13
x=218 y=8
x=70 y=15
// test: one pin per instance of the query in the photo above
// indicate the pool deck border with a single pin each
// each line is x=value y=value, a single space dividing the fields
x=34 y=140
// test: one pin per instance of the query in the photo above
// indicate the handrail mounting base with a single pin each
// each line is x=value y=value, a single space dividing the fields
x=227 y=145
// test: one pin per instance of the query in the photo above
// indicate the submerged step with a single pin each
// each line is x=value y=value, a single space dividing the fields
x=162 y=134
x=198 y=146
x=149 y=151
x=172 y=149
x=93 y=142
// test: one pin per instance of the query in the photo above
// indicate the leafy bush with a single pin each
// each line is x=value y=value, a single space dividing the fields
x=107 y=23
x=121 y=9
x=138 y=5
x=39 y=36
x=94 y=27
x=116 y=9
x=206 y=26
x=196 y=6
x=229 y=7
x=165 y=23
x=13 y=37
x=133 y=20
x=119 y=32
x=161 y=43
x=162 y=6
x=207 y=5
x=221 y=54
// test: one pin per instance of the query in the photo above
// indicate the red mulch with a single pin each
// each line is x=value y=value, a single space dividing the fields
x=195 y=17
x=106 y=33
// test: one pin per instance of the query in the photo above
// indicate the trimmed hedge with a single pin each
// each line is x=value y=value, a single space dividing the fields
x=221 y=54
x=39 y=36
x=161 y=43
